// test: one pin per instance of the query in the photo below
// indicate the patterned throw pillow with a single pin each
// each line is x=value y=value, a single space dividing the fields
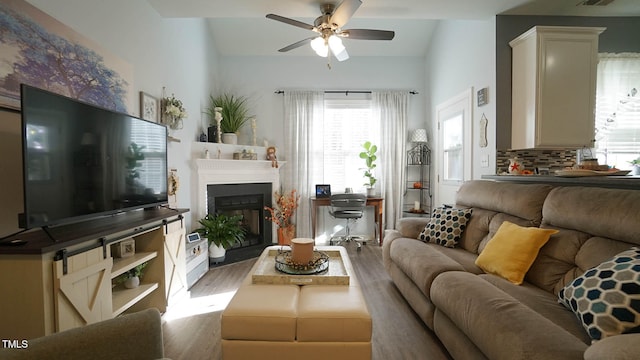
x=606 y=298
x=445 y=226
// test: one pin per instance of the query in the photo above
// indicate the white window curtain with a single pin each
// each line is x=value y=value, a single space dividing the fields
x=391 y=107
x=618 y=108
x=303 y=111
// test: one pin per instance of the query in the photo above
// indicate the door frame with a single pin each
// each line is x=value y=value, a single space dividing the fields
x=462 y=104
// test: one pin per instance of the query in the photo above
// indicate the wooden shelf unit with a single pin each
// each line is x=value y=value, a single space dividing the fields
x=69 y=283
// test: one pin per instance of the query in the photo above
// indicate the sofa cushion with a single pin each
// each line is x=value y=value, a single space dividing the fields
x=582 y=208
x=521 y=200
x=421 y=262
x=498 y=324
x=445 y=226
x=606 y=299
x=542 y=302
x=588 y=235
x=512 y=250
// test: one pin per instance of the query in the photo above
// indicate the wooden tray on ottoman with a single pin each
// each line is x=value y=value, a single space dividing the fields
x=266 y=272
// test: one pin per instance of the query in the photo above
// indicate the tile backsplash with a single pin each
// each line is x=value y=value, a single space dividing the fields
x=532 y=158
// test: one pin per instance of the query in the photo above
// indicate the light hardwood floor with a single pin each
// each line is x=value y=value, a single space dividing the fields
x=397 y=331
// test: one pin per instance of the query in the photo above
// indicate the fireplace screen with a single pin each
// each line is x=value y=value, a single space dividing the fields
x=249 y=201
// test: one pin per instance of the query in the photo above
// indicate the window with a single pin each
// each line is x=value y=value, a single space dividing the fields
x=150 y=141
x=347 y=124
x=618 y=109
x=452 y=161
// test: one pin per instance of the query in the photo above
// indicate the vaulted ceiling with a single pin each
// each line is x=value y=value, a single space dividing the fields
x=239 y=27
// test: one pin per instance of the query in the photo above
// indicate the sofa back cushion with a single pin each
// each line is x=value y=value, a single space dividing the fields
x=496 y=202
x=595 y=224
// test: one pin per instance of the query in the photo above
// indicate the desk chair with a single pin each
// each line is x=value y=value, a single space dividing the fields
x=349 y=207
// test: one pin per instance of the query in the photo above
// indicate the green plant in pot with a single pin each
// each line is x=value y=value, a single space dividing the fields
x=635 y=166
x=222 y=232
x=131 y=278
x=369 y=156
x=235 y=114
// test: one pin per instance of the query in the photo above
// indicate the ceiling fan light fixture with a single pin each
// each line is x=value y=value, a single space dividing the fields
x=338 y=50
x=335 y=43
x=320 y=46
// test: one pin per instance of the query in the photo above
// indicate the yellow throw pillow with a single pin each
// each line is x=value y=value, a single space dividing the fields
x=512 y=250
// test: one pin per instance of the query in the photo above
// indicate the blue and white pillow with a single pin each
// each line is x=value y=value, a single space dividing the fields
x=606 y=298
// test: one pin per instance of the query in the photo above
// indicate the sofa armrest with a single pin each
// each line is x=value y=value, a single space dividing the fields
x=132 y=336
x=619 y=347
x=412 y=226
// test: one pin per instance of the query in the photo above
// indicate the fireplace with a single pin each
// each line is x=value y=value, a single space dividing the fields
x=248 y=200
x=233 y=173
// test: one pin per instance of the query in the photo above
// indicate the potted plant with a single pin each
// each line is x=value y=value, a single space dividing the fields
x=369 y=156
x=131 y=278
x=281 y=214
x=222 y=232
x=635 y=166
x=234 y=110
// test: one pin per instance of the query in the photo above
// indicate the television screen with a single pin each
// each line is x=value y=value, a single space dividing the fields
x=81 y=161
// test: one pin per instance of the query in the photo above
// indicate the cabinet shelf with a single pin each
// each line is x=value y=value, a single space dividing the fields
x=124 y=298
x=122 y=265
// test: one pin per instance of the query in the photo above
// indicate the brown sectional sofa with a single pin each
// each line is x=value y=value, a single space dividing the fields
x=483 y=316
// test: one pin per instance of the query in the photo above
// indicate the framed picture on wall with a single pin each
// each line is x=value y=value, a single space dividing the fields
x=149 y=107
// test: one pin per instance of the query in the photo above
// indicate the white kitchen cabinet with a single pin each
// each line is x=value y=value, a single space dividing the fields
x=554 y=87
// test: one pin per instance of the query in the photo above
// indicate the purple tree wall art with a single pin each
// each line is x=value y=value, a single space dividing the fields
x=51 y=56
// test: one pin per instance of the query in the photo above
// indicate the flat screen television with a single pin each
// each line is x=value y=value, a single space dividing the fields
x=81 y=161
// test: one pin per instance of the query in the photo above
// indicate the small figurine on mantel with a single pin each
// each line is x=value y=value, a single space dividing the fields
x=271 y=155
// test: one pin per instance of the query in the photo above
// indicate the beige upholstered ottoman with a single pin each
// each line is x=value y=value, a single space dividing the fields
x=297 y=322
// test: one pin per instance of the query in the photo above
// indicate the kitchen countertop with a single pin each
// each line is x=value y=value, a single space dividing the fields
x=615 y=182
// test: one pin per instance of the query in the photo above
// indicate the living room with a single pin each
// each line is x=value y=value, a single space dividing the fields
x=179 y=55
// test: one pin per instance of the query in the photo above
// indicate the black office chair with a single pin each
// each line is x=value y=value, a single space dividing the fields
x=350 y=207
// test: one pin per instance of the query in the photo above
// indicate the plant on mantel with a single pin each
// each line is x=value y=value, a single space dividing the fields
x=234 y=110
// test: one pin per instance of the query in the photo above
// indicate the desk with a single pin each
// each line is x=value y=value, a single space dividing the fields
x=376 y=202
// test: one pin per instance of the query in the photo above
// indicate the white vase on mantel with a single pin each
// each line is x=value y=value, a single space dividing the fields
x=230 y=138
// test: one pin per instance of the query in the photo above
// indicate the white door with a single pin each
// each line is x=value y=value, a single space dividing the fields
x=453 y=149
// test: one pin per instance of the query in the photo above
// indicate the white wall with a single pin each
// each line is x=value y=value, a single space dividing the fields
x=260 y=77
x=462 y=55
x=178 y=54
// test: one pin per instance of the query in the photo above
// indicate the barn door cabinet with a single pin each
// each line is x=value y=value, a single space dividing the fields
x=72 y=282
x=554 y=87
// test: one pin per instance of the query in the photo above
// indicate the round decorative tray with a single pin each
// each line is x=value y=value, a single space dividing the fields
x=318 y=264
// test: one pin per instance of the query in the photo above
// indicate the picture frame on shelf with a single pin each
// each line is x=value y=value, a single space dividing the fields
x=323 y=191
x=125 y=248
x=149 y=107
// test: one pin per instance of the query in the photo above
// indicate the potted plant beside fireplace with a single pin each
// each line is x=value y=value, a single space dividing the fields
x=222 y=232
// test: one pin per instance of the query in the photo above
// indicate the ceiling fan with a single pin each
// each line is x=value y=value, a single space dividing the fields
x=329 y=28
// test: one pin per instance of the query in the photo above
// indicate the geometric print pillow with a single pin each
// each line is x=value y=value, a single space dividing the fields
x=606 y=298
x=445 y=226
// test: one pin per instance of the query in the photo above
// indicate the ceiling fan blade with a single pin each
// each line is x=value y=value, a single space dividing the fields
x=290 y=21
x=344 y=12
x=297 y=44
x=368 y=34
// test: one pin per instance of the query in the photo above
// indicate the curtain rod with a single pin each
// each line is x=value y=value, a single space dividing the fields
x=346 y=92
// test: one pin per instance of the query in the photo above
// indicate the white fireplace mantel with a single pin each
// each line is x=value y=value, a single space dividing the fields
x=223 y=171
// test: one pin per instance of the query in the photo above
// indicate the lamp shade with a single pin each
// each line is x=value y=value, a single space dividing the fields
x=419 y=136
x=320 y=46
